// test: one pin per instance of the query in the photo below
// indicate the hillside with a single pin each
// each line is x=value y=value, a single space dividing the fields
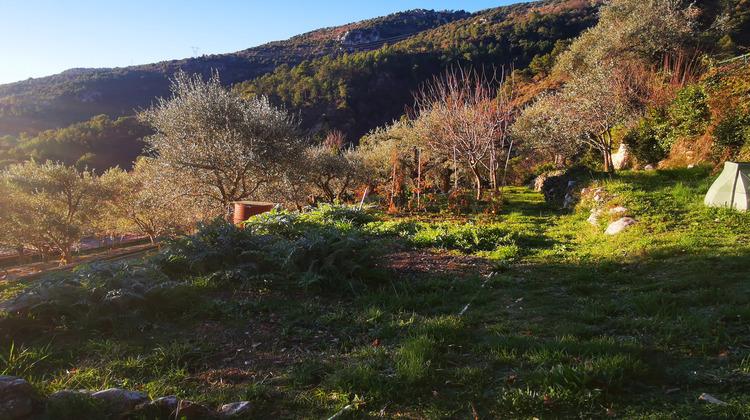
x=360 y=74
x=79 y=94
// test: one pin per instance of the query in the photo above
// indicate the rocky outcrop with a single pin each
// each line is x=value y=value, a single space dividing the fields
x=558 y=187
x=360 y=36
x=621 y=158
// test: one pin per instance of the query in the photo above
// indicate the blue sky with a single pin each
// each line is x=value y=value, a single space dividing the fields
x=44 y=37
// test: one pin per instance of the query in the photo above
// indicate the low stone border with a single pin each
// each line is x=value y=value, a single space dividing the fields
x=19 y=401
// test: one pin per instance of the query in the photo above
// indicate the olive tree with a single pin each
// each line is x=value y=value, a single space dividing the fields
x=540 y=127
x=146 y=202
x=630 y=31
x=51 y=204
x=222 y=147
x=583 y=113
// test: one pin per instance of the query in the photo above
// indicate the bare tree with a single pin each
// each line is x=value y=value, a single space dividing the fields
x=460 y=112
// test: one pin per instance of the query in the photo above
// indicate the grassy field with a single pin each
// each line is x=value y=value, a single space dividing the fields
x=529 y=313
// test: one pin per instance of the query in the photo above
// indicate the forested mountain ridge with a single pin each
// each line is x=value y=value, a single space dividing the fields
x=358 y=91
x=78 y=94
x=350 y=78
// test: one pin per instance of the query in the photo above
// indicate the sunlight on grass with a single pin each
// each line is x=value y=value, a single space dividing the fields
x=572 y=323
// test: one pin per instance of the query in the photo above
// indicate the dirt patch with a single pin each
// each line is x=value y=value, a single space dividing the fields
x=404 y=261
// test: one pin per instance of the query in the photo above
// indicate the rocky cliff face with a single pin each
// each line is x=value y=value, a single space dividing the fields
x=360 y=36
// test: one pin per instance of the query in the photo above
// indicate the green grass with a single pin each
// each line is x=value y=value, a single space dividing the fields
x=573 y=324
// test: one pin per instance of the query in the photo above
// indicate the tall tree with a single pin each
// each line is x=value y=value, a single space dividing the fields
x=222 y=146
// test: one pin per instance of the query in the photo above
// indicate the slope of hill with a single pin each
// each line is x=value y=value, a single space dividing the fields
x=361 y=73
x=79 y=94
x=357 y=91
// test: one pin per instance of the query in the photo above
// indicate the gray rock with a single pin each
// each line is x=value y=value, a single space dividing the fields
x=119 y=399
x=593 y=218
x=236 y=409
x=64 y=394
x=16 y=398
x=569 y=199
x=618 y=209
x=620 y=225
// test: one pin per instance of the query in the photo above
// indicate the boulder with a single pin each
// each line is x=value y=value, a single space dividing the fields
x=65 y=394
x=620 y=225
x=621 y=159
x=120 y=400
x=560 y=188
x=538 y=182
x=16 y=398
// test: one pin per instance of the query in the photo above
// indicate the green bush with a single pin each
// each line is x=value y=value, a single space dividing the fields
x=104 y=295
x=733 y=130
x=332 y=260
x=689 y=112
x=648 y=138
x=215 y=246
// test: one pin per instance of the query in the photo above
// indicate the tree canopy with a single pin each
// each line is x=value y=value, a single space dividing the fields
x=220 y=146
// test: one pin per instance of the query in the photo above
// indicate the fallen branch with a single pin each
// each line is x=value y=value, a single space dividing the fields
x=466 y=308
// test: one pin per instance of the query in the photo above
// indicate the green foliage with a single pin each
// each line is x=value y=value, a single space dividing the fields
x=105 y=296
x=319 y=249
x=330 y=260
x=215 y=246
x=463 y=237
x=21 y=361
x=648 y=139
x=99 y=143
x=733 y=130
x=689 y=113
x=332 y=214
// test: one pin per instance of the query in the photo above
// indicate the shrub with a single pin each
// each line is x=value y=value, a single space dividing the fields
x=216 y=246
x=332 y=260
x=648 y=139
x=103 y=295
x=733 y=130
